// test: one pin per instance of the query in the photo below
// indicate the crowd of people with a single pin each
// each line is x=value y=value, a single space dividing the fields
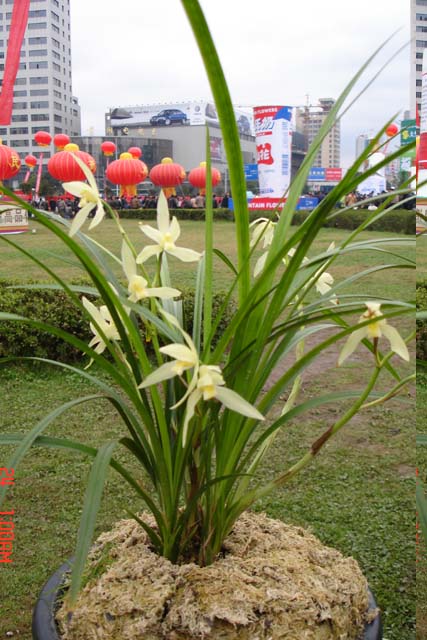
x=174 y=202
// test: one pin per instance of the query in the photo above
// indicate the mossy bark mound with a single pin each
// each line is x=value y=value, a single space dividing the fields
x=272 y=581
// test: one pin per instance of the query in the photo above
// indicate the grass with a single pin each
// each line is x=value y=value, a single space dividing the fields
x=421 y=554
x=356 y=496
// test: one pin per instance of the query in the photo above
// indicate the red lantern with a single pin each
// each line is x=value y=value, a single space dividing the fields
x=62 y=165
x=30 y=161
x=108 y=148
x=135 y=152
x=9 y=162
x=391 y=130
x=43 y=138
x=60 y=140
x=127 y=172
x=167 y=175
x=197 y=177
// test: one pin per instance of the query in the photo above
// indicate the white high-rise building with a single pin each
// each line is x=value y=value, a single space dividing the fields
x=418 y=44
x=43 y=95
x=309 y=120
x=362 y=142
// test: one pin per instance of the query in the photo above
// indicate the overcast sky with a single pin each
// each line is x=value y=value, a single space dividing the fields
x=272 y=51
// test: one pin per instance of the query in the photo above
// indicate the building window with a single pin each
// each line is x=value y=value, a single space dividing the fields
x=42 y=64
x=39 y=117
x=39 y=80
x=56 y=55
x=56 y=3
x=54 y=16
x=20 y=94
x=56 y=67
x=20 y=118
x=56 y=82
x=56 y=43
x=40 y=105
x=421 y=3
x=421 y=29
x=419 y=67
x=22 y=65
x=57 y=94
x=421 y=43
x=39 y=40
x=419 y=55
x=421 y=16
x=20 y=143
x=37 y=13
x=15 y=131
x=55 y=28
x=37 y=25
x=57 y=118
x=20 y=105
x=37 y=52
x=418 y=94
x=419 y=83
x=39 y=92
x=44 y=128
x=57 y=106
x=20 y=81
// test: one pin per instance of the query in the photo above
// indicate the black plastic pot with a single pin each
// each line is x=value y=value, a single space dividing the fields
x=44 y=627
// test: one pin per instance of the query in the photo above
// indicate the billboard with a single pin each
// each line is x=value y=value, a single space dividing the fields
x=421 y=200
x=325 y=174
x=273 y=137
x=174 y=114
x=408 y=134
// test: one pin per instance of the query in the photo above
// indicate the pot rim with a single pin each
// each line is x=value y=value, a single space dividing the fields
x=44 y=626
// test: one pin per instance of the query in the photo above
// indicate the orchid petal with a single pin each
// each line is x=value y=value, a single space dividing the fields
x=175 y=229
x=180 y=352
x=164 y=372
x=397 y=343
x=260 y=263
x=80 y=218
x=163 y=219
x=148 y=252
x=152 y=233
x=88 y=173
x=163 y=292
x=193 y=399
x=75 y=188
x=235 y=402
x=128 y=261
x=186 y=255
x=99 y=216
x=351 y=344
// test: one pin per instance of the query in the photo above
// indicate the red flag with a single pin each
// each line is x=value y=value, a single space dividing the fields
x=39 y=175
x=17 y=29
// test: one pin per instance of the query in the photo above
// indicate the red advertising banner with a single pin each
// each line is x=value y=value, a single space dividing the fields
x=17 y=29
x=333 y=173
x=39 y=175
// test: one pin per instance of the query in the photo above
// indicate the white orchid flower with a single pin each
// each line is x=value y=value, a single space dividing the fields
x=103 y=319
x=137 y=285
x=324 y=283
x=263 y=228
x=374 y=330
x=207 y=381
x=89 y=199
x=211 y=385
x=165 y=236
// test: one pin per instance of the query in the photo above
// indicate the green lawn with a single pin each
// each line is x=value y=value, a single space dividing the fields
x=422 y=470
x=357 y=495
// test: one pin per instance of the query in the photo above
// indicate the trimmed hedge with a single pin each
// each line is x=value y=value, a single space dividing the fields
x=396 y=221
x=421 y=301
x=56 y=308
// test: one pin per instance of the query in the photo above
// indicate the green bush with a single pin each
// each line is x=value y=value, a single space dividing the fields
x=421 y=300
x=396 y=221
x=57 y=309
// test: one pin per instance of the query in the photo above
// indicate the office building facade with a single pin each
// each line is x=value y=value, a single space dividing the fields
x=418 y=44
x=43 y=95
x=309 y=121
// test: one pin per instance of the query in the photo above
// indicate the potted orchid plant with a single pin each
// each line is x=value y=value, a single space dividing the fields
x=196 y=412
